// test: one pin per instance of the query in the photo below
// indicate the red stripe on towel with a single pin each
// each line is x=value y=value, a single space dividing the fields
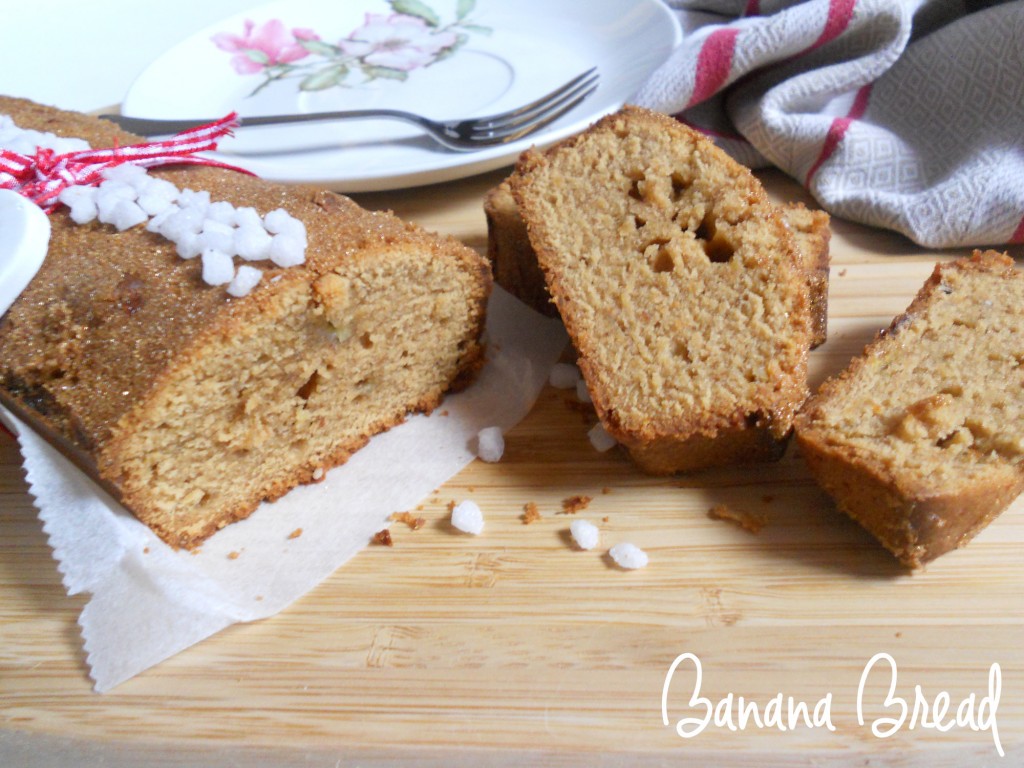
x=1018 y=233
x=838 y=129
x=840 y=12
x=713 y=64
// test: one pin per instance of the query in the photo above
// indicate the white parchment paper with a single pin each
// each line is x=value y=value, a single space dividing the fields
x=150 y=602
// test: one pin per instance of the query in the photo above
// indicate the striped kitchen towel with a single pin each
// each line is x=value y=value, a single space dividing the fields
x=903 y=114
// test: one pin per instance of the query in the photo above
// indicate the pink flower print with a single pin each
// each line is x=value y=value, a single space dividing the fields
x=265 y=46
x=397 y=42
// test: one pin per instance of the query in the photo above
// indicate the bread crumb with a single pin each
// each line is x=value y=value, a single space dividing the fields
x=451 y=505
x=574 y=504
x=414 y=522
x=604 y=519
x=145 y=550
x=748 y=521
x=384 y=537
x=606 y=490
x=842 y=272
x=530 y=513
x=233 y=555
x=295 y=534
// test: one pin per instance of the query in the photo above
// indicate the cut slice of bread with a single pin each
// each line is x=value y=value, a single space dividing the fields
x=921 y=440
x=516 y=269
x=679 y=285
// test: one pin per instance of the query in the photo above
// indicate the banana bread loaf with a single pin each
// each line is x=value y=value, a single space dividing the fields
x=679 y=285
x=920 y=440
x=191 y=405
x=516 y=269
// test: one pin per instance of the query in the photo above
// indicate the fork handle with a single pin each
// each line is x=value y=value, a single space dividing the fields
x=144 y=126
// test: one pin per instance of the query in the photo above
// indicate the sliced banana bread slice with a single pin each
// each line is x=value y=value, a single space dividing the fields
x=679 y=285
x=921 y=439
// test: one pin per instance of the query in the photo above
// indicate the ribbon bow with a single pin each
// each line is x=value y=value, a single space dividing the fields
x=41 y=177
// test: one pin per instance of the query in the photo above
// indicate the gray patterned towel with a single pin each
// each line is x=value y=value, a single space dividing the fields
x=903 y=114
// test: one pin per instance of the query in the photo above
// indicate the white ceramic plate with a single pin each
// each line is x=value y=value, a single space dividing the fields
x=318 y=55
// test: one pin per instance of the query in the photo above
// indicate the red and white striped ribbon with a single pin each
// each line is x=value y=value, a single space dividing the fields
x=41 y=177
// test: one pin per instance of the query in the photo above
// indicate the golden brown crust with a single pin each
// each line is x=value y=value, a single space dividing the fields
x=93 y=351
x=899 y=480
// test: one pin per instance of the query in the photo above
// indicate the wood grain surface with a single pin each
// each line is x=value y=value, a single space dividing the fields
x=514 y=648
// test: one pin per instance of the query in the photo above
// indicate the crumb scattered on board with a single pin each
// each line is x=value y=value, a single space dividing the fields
x=748 y=521
x=384 y=537
x=574 y=504
x=414 y=522
x=295 y=534
x=233 y=555
x=530 y=513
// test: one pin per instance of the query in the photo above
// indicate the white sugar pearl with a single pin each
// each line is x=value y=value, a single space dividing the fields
x=127 y=214
x=585 y=534
x=246 y=278
x=628 y=556
x=252 y=243
x=83 y=212
x=154 y=205
x=126 y=173
x=159 y=218
x=221 y=211
x=182 y=221
x=490 y=444
x=286 y=251
x=118 y=189
x=582 y=393
x=600 y=439
x=220 y=237
x=198 y=201
x=247 y=217
x=564 y=376
x=76 y=193
x=218 y=267
x=468 y=518
x=277 y=221
x=188 y=245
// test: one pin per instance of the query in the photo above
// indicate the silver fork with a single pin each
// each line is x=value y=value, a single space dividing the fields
x=462 y=135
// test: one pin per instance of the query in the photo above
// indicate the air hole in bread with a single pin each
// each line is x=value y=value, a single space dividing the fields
x=717 y=247
x=307 y=390
x=680 y=184
x=634 y=189
x=663 y=261
x=366 y=341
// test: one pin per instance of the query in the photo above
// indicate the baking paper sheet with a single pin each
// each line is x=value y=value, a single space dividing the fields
x=150 y=602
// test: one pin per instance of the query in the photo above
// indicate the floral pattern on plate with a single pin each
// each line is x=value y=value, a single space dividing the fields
x=388 y=46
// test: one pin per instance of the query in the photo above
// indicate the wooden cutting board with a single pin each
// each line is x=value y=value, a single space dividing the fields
x=513 y=648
